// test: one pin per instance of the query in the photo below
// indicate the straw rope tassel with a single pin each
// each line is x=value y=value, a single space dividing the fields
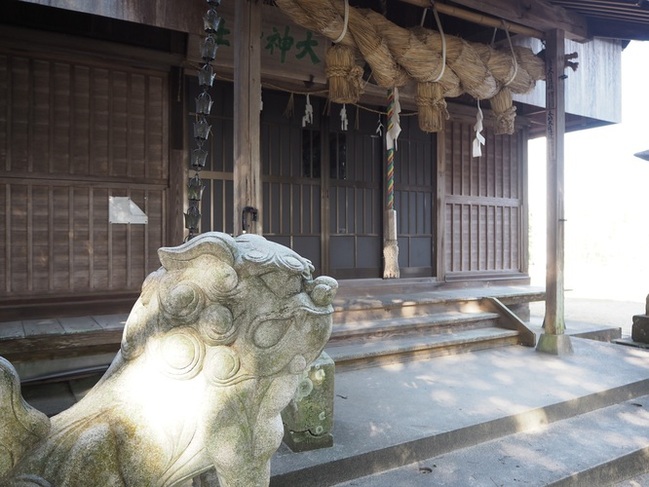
x=390 y=243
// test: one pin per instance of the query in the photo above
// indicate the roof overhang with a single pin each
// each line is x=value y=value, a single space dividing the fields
x=613 y=19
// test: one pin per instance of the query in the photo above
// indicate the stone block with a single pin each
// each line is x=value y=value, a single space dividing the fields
x=555 y=344
x=308 y=419
x=640 y=329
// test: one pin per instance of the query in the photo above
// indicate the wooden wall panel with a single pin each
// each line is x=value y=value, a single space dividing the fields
x=483 y=204
x=5 y=80
x=51 y=249
x=82 y=240
x=72 y=134
x=67 y=119
x=4 y=219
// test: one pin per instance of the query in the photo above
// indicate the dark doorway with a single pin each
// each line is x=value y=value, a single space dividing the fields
x=415 y=197
x=355 y=196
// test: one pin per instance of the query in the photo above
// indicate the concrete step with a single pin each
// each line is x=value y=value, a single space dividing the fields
x=392 y=308
x=439 y=322
x=397 y=415
x=379 y=299
x=598 y=448
x=393 y=349
x=385 y=329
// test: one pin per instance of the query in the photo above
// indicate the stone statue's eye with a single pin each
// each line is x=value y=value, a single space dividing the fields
x=283 y=285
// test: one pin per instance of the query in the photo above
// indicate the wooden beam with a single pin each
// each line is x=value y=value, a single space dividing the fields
x=530 y=18
x=247 y=100
x=538 y=14
x=554 y=340
x=478 y=18
x=178 y=16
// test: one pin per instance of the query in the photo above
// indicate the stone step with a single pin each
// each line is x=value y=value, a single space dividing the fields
x=597 y=448
x=379 y=310
x=405 y=348
x=396 y=415
x=387 y=328
x=391 y=301
x=418 y=324
x=378 y=328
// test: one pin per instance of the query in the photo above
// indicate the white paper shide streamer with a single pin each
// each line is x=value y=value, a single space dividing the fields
x=479 y=139
x=344 y=122
x=308 y=113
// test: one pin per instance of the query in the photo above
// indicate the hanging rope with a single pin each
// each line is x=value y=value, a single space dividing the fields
x=511 y=48
x=390 y=143
x=396 y=55
x=390 y=241
x=441 y=33
x=343 y=33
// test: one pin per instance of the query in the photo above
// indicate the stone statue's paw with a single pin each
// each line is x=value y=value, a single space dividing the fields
x=22 y=425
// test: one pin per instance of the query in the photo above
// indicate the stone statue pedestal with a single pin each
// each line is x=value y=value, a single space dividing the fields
x=308 y=419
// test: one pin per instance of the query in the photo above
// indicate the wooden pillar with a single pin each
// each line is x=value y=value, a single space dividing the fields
x=247 y=107
x=554 y=340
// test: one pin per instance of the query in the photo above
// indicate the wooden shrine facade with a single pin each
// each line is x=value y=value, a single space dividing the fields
x=97 y=104
x=323 y=192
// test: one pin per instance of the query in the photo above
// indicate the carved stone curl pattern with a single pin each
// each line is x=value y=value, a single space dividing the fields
x=211 y=354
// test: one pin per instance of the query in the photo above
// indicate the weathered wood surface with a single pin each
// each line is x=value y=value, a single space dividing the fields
x=595 y=89
x=555 y=130
x=29 y=340
x=482 y=203
x=186 y=16
x=77 y=131
x=289 y=53
x=538 y=14
x=183 y=16
x=247 y=100
x=479 y=18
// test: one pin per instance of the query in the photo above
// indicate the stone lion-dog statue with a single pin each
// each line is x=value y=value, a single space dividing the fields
x=212 y=351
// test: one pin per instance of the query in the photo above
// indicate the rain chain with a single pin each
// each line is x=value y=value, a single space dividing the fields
x=202 y=128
